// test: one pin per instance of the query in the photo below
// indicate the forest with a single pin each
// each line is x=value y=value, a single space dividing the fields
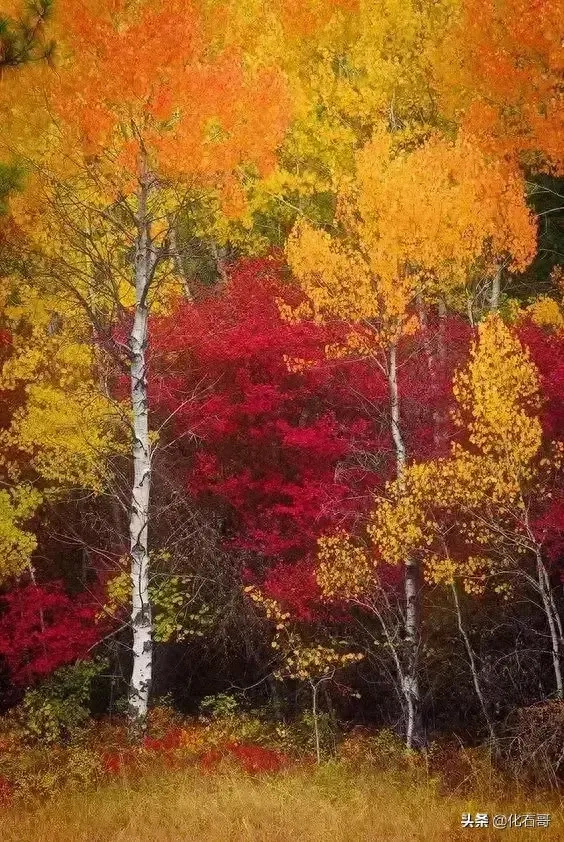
x=281 y=419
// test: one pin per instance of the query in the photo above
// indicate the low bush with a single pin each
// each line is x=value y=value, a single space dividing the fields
x=533 y=744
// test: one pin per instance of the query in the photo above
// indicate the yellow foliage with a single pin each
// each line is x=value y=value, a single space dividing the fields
x=498 y=396
x=436 y=211
x=16 y=545
x=481 y=489
x=298 y=364
x=439 y=570
x=67 y=434
x=359 y=69
x=67 y=426
x=301 y=661
x=313 y=662
x=546 y=312
x=343 y=569
x=118 y=592
x=411 y=223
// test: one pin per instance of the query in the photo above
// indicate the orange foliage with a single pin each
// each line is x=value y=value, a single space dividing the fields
x=145 y=75
x=502 y=73
x=304 y=17
x=439 y=209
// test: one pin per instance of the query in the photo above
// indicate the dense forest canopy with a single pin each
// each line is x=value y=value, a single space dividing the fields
x=282 y=363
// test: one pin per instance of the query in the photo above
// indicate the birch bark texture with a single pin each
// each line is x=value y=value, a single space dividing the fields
x=410 y=679
x=141 y=614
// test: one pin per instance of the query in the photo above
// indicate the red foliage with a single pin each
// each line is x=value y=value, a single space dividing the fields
x=273 y=442
x=548 y=527
x=112 y=763
x=287 y=455
x=547 y=352
x=171 y=741
x=118 y=762
x=42 y=628
x=294 y=585
x=252 y=759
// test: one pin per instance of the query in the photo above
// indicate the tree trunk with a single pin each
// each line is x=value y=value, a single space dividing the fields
x=435 y=354
x=472 y=663
x=141 y=619
x=179 y=264
x=414 y=727
x=546 y=601
x=555 y=612
x=496 y=290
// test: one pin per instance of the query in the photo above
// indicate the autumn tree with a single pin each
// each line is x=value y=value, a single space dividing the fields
x=146 y=109
x=288 y=446
x=273 y=420
x=365 y=65
x=478 y=516
x=413 y=227
x=23 y=40
x=279 y=441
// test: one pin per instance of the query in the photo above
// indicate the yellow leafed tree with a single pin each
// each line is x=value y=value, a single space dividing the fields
x=411 y=227
x=468 y=517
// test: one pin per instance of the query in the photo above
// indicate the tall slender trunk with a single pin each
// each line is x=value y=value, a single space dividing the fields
x=544 y=589
x=555 y=612
x=427 y=344
x=141 y=618
x=496 y=289
x=472 y=663
x=314 y=713
x=414 y=727
x=179 y=264
x=435 y=354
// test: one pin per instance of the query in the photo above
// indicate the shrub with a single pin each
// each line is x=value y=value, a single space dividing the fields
x=533 y=743
x=381 y=749
x=6 y=790
x=251 y=758
x=55 y=711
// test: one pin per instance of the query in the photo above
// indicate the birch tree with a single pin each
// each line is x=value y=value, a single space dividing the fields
x=147 y=109
x=411 y=227
x=475 y=517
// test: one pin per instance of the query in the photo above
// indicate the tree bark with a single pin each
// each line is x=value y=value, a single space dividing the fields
x=435 y=354
x=141 y=616
x=472 y=663
x=414 y=726
x=546 y=601
x=496 y=290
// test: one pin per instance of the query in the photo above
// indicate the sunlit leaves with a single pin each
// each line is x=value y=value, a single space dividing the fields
x=16 y=542
x=458 y=513
x=501 y=64
x=412 y=223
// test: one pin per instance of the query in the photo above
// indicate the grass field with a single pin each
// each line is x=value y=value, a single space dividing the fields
x=325 y=805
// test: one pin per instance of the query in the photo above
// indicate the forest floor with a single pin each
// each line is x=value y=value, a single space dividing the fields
x=330 y=803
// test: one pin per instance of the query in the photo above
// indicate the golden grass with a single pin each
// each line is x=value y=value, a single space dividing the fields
x=325 y=805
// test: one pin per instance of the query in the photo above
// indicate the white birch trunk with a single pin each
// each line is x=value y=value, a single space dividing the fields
x=544 y=588
x=141 y=619
x=414 y=726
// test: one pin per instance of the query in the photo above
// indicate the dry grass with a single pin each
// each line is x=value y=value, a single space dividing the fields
x=328 y=805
